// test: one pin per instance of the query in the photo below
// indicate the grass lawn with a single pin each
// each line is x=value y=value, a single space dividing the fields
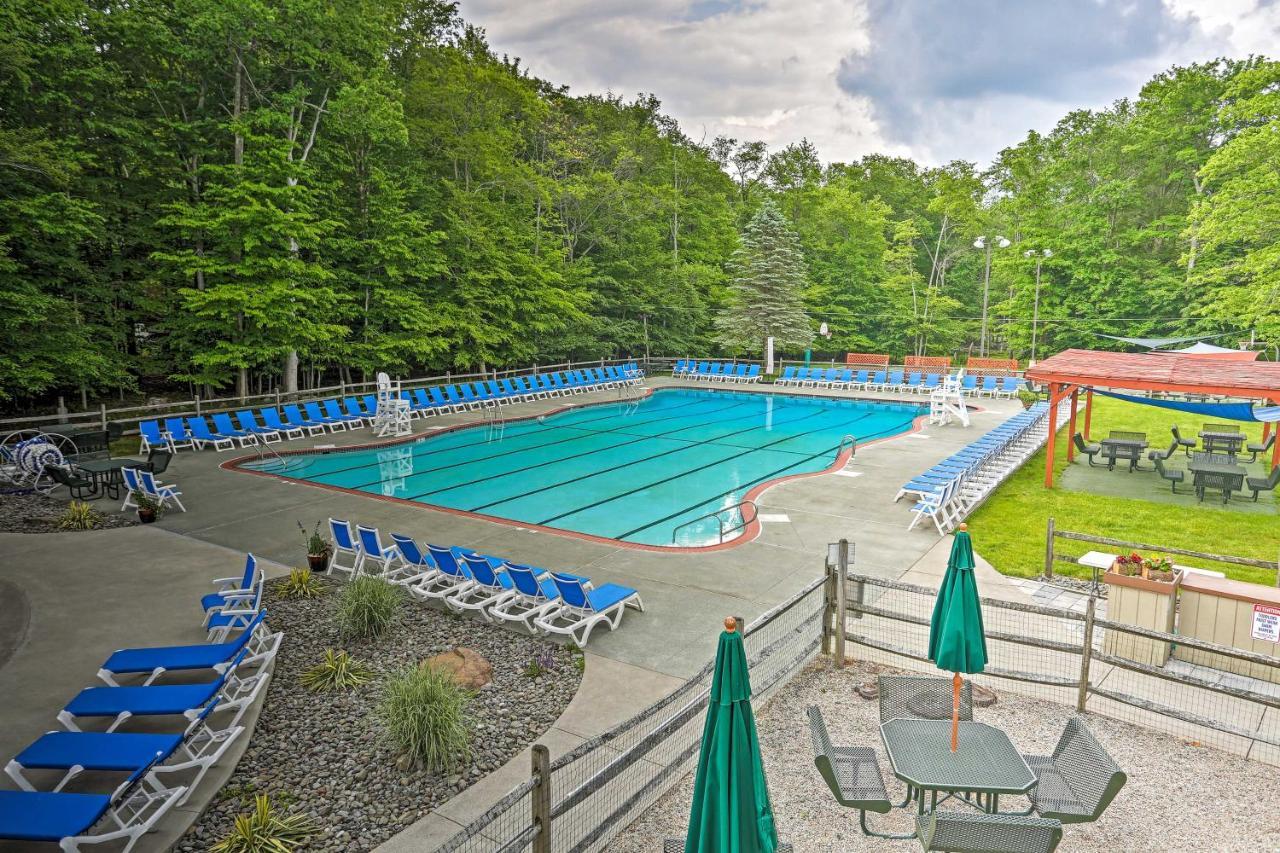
x=1009 y=529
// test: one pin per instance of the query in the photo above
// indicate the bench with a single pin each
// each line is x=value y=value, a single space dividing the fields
x=987 y=833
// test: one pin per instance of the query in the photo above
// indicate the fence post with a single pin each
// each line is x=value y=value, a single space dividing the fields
x=102 y=414
x=828 y=608
x=197 y=404
x=842 y=579
x=277 y=397
x=540 y=798
x=1086 y=653
x=62 y=410
x=1048 y=548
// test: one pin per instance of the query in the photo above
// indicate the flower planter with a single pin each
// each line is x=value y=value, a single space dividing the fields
x=1143 y=602
x=318 y=562
x=146 y=516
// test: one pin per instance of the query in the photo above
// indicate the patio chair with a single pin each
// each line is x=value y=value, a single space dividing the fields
x=1164 y=454
x=202 y=435
x=987 y=833
x=922 y=697
x=236 y=615
x=1173 y=477
x=78 y=485
x=1257 y=449
x=178 y=435
x=162 y=494
x=152 y=435
x=234 y=588
x=313 y=414
x=373 y=551
x=753 y=373
x=155 y=661
x=130 y=812
x=1077 y=782
x=851 y=772
x=414 y=566
x=584 y=609
x=294 y=418
x=1088 y=450
x=344 y=544
x=247 y=422
x=1187 y=444
x=1263 y=484
x=157 y=462
x=352 y=421
x=199 y=747
x=271 y=418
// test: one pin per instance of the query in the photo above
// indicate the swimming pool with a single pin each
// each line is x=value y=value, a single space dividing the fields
x=640 y=472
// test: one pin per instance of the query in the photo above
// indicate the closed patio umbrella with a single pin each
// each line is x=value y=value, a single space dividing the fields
x=731 y=811
x=957 y=642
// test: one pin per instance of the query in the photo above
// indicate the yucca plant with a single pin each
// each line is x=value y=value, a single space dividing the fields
x=338 y=671
x=266 y=830
x=300 y=583
x=79 y=516
x=367 y=607
x=424 y=714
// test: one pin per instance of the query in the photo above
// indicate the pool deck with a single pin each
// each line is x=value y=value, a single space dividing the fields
x=685 y=594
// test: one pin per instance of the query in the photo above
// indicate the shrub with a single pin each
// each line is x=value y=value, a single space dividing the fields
x=301 y=583
x=266 y=830
x=79 y=516
x=366 y=607
x=424 y=713
x=338 y=671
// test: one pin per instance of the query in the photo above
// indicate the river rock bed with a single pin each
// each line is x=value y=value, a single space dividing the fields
x=34 y=513
x=322 y=754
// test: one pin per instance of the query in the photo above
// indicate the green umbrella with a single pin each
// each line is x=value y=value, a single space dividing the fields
x=957 y=642
x=731 y=811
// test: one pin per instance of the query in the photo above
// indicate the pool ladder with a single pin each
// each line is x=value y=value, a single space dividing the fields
x=275 y=467
x=852 y=441
x=740 y=505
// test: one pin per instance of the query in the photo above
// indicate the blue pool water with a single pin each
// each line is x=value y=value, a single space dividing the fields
x=637 y=471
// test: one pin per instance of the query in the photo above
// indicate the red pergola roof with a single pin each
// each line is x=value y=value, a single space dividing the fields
x=1143 y=371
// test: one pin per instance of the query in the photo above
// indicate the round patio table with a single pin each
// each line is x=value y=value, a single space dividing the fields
x=106 y=473
x=986 y=763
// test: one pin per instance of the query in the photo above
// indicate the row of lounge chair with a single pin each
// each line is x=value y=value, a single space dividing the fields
x=915 y=381
x=496 y=588
x=950 y=489
x=270 y=424
x=716 y=371
x=42 y=811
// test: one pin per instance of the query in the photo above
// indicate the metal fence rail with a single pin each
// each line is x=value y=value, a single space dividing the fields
x=585 y=797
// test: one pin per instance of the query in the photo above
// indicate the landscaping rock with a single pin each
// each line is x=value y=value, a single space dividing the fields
x=467 y=667
x=34 y=513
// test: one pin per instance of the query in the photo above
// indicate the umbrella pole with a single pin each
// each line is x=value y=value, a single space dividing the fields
x=955 y=712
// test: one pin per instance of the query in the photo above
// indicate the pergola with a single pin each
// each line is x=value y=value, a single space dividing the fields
x=1074 y=370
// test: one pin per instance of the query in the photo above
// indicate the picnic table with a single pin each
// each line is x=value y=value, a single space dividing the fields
x=1221 y=441
x=986 y=763
x=1216 y=471
x=106 y=473
x=1124 y=445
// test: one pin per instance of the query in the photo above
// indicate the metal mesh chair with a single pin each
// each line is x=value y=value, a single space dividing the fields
x=1264 y=484
x=922 y=697
x=1077 y=782
x=1164 y=454
x=987 y=833
x=851 y=772
x=676 y=845
x=1174 y=477
x=1187 y=444
x=1088 y=450
x=1256 y=449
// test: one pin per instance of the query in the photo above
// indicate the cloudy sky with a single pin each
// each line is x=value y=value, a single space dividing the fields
x=936 y=80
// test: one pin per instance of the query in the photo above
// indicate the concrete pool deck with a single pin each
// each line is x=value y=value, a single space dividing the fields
x=686 y=594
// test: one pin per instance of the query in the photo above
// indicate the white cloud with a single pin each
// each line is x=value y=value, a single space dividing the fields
x=933 y=80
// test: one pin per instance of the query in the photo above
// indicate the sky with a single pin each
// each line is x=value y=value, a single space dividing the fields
x=935 y=80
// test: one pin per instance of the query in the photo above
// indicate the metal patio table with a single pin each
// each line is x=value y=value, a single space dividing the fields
x=1222 y=442
x=1123 y=448
x=106 y=473
x=1228 y=475
x=986 y=764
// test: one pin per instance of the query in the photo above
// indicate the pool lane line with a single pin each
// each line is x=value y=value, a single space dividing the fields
x=746 y=487
x=633 y=491
x=690 y=443
x=425 y=441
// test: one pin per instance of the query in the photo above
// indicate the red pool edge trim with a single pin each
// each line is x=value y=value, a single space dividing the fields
x=749 y=532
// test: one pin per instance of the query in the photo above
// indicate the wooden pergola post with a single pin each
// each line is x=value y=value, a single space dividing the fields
x=1053 y=432
x=1071 y=425
x=1088 y=413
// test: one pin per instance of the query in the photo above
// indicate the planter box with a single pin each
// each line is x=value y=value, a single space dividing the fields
x=1144 y=604
x=1222 y=611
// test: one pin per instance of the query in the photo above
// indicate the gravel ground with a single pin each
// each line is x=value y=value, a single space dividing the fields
x=1178 y=797
x=39 y=514
x=322 y=753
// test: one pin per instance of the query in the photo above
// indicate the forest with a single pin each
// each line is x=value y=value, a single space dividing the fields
x=231 y=196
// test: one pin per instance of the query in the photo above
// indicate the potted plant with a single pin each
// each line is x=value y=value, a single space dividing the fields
x=148 y=507
x=317 y=548
x=1129 y=565
x=1158 y=569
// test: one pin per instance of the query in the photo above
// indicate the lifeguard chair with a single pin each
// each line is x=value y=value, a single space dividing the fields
x=392 y=415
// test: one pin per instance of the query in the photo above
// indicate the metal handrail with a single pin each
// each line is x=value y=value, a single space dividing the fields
x=720 y=521
x=263 y=446
x=853 y=446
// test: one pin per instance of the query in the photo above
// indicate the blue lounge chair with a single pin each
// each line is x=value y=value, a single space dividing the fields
x=489 y=586
x=438 y=399
x=199 y=747
x=223 y=432
x=236 y=615
x=788 y=376
x=271 y=418
x=969 y=383
x=344 y=544
x=533 y=594
x=353 y=408
x=1009 y=386
x=913 y=381
x=679 y=368
x=510 y=392
x=454 y=398
x=932 y=381
x=989 y=385
x=153 y=437
x=846 y=379
x=178 y=435
x=202 y=435
x=582 y=609
x=332 y=410
x=316 y=416
x=268 y=435
x=496 y=392
x=370 y=404
x=753 y=373
x=740 y=373
x=237 y=588
x=528 y=387
x=129 y=813
x=452 y=578
x=415 y=566
x=372 y=551
x=294 y=418
x=155 y=661
x=469 y=398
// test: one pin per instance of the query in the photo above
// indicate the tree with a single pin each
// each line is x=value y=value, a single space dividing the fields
x=766 y=296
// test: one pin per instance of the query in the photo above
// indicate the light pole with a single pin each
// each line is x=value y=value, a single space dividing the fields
x=981 y=243
x=1035 y=311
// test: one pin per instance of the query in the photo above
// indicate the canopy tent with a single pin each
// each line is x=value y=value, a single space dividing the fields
x=1073 y=370
x=1157 y=343
x=1203 y=350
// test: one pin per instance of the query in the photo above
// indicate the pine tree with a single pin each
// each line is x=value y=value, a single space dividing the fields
x=769 y=278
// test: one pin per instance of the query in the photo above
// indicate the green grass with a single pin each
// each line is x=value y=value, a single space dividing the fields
x=1009 y=529
x=126 y=445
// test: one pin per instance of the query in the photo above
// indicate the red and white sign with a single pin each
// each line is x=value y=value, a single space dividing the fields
x=1266 y=623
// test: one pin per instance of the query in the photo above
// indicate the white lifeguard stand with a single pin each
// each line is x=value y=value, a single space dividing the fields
x=392 y=415
x=946 y=403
